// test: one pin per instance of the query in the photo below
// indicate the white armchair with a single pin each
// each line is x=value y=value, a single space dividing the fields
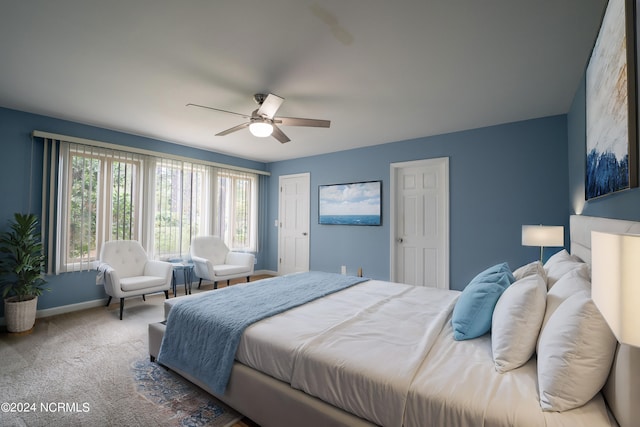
x=212 y=260
x=126 y=271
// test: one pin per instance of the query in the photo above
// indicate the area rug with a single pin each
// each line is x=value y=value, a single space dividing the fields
x=182 y=401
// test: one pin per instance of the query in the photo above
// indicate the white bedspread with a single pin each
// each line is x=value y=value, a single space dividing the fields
x=271 y=345
x=357 y=349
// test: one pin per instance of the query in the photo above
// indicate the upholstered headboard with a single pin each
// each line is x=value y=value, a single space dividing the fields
x=582 y=226
x=622 y=390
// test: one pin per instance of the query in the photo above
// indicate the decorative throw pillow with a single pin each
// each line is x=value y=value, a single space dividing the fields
x=535 y=267
x=502 y=268
x=569 y=284
x=575 y=352
x=517 y=318
x=473 y=311
x=560 y=264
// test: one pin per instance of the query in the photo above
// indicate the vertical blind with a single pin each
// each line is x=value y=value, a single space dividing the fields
x=181 y=196
x=93 y=194
x=99 y=199
x=236 y=207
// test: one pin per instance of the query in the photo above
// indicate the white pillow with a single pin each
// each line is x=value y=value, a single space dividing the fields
x=560 y=264
x=529 y=269
x=516 y=322
x=575 y=352
x=569 y=284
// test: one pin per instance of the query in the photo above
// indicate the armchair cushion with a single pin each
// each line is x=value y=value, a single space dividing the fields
x=129 y=284
x=227 y=270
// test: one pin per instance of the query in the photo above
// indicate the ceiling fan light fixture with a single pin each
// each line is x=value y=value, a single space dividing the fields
x=261 y=129
x=261 y=121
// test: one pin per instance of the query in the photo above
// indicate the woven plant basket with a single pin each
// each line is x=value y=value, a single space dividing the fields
x=20 y=315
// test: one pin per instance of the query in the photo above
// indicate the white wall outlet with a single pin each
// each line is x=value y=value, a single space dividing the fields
x=275 y=223
x=343 y=269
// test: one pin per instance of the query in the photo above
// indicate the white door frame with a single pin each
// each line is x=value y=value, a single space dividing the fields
x=444 y=161
x=307 y=176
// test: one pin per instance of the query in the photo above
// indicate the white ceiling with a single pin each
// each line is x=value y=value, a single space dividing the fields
x=380 y=70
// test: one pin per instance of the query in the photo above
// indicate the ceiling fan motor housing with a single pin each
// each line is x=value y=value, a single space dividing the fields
x=259 y=98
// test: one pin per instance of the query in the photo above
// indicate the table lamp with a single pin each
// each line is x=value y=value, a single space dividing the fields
x=542 y=235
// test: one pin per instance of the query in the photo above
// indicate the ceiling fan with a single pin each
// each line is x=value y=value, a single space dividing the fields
x=263 y=122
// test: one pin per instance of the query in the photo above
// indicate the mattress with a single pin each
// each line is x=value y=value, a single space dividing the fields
x=385 y=352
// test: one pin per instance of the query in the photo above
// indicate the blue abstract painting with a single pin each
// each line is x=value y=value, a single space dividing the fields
x=607 y=161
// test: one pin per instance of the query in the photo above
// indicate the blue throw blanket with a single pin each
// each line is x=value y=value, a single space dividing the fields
x=203 y=333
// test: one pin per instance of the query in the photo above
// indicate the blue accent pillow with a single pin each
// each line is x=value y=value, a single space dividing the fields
x=473 y=311
x=498 y=268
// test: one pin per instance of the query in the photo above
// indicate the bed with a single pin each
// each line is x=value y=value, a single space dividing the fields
x=382 y=353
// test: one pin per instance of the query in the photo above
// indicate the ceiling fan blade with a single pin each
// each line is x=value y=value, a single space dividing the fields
x=270 y=105
x=279 y=135
x=218 y=109
x=296 y=121
x=233 y=129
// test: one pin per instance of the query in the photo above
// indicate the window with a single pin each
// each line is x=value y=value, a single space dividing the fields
x=180 y=206
x=237 y=209
x=106 y=194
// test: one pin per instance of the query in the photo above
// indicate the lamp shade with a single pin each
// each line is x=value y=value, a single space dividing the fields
x=261 y=129
x=542 y=235
x=615 y=283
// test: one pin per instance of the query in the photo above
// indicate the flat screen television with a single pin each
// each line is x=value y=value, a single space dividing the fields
x=355 y=203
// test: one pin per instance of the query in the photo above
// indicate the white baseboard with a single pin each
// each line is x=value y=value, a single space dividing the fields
x=65 y=309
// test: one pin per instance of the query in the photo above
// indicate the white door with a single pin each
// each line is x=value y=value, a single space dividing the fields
x=293 y=223
x=420 y=222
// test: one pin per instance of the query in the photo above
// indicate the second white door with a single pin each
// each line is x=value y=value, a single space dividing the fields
x=420 y=222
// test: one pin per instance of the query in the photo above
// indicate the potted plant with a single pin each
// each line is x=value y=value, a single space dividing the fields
x=21 y=272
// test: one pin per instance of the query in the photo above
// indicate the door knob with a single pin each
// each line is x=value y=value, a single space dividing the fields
x=304 y=233
x=400 y=240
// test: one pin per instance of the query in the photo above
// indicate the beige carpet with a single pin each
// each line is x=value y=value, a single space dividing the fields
x=89 y=368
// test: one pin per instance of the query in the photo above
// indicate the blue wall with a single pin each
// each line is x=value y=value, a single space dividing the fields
x=621 y=205
x=501 y=177
x=18 y=172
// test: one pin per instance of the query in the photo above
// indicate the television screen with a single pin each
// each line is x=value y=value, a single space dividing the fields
x=357 y=203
